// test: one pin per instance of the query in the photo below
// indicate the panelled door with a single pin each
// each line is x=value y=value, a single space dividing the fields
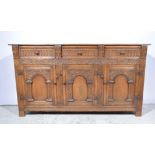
x=80 y=85
x=39 y=84
x=121 y=85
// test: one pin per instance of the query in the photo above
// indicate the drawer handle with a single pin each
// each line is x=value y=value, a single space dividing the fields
x=37 y=53
x=80 y=54
x=122 y=53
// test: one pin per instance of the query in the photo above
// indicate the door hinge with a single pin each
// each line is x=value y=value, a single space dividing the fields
x=20 y=73
x=140 y=73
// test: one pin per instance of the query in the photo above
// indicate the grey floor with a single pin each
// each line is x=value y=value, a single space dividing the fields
x=9 y=115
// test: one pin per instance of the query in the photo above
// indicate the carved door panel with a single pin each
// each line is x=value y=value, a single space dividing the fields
x=39 y=84
x=121 y=85
x=79 y=85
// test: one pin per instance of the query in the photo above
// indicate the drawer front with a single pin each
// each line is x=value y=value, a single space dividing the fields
x=37 y=51
x=79 y=51
x=118 y=51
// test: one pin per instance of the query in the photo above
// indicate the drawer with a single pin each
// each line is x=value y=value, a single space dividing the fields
x=79 y=51
x=36 y=51
x=121 y=51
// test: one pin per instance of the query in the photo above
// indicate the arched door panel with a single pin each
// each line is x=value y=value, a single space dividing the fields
x=79 y=85
x=121 y=85
x=39 y=85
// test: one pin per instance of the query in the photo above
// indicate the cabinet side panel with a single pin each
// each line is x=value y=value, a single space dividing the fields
x=19 y=80
x=140 y=85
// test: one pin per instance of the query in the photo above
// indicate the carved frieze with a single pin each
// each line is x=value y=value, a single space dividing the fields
x=81 y=61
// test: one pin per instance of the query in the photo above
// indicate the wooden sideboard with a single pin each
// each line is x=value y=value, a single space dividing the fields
x=80 y=77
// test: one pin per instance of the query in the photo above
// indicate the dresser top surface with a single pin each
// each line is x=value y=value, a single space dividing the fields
x=79 y=44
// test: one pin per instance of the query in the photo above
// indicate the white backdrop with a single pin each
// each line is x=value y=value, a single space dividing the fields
x=7 y=77
x=75 y=21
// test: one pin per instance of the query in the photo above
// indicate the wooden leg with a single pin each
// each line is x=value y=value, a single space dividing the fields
x=138 y=113
x=21 y=113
